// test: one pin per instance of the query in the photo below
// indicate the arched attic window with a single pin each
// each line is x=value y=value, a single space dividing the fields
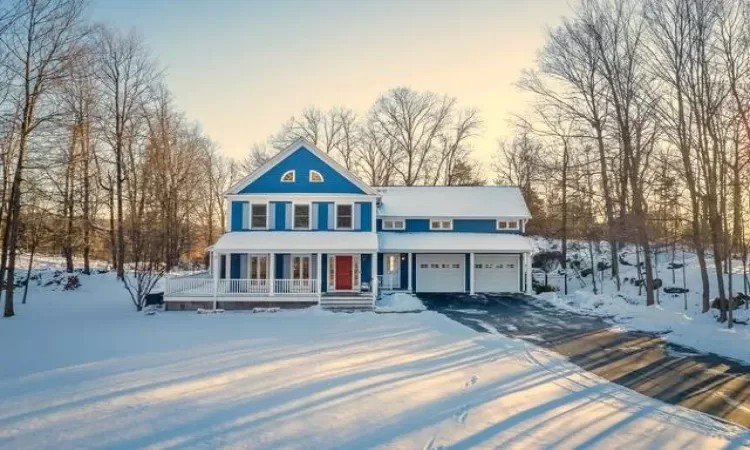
x=288 y=177
x=315 y=177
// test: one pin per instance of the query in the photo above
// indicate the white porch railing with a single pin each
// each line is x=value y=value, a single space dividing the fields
x=199 y=285
x=243 y=287
x=287 y=287
x=390 y=281
x=194 y=286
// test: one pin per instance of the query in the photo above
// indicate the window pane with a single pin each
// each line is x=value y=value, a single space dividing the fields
x=446 y=225
x=399 y=224
x=502 y=225
x=512 y=224
x=259 y=216
x=305 y=268
x=263 y=262
x=343 y=216
x=301 y=216
x=436 y=225
x=391 y=263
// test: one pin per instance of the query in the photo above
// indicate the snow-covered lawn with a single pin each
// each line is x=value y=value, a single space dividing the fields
x=678 y=316
x=83 y=370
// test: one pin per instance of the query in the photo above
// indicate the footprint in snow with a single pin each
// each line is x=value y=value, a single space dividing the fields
x=472 y=381
x=462 y=414
x=430 y=445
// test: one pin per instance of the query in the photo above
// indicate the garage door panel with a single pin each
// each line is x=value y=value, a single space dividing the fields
x=497 y=273
x=440 y=273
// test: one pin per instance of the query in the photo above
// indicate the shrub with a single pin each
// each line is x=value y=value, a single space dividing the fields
x=544 y=288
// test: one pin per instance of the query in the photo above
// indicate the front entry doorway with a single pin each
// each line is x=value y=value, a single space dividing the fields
x=344 y=273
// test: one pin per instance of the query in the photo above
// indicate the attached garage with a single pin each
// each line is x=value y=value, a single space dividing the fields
x=441 y=273
x=497 y=273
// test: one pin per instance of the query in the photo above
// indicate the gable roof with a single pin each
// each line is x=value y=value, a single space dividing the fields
x=453 y=201
x=296 y=145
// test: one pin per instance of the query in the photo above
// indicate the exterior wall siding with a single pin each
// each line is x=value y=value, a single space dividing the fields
x=459 y=226
x=302 y=161
x=404 y=269
x=365 y=268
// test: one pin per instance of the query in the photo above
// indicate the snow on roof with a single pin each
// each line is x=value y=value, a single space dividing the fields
x=296 y=241
x=452 y=201
x=454 y=242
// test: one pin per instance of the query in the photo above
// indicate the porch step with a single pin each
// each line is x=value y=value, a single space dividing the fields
x=346 y=302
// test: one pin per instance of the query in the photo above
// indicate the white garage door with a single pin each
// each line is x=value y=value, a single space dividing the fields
x=441 y=273
x=496 y=273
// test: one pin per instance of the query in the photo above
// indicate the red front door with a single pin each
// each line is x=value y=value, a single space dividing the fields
x=343 y=273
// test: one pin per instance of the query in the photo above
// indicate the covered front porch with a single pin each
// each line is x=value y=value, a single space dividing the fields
x=280 y=267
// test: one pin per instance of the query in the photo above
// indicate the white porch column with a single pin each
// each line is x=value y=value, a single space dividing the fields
x=374 y=274
x=272 y=274
x=228 y=266
x=216 y=263
x=529 y=287
x=319 y=275
x=472 y=278
x=408 y=272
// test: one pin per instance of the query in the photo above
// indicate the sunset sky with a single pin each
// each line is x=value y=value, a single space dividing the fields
x=241 y=68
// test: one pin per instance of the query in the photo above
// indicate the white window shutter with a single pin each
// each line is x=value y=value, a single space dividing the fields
x=331 y=216
x=272 y=216
x=246 y=215
x=314 y=216
x=289 y=216
x=357 y=219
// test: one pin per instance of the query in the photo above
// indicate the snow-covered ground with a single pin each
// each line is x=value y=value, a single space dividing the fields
x=677 y=315
x=81 y=369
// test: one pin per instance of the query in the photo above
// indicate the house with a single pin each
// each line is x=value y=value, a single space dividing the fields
x=303 y=230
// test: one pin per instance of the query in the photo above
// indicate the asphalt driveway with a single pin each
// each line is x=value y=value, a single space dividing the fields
x=643 y=362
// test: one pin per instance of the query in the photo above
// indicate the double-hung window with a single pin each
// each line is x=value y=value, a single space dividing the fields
x=344 y=217
x=301 y=217
x=441 y=224
x=507 y=224
x=393 y=224
x=259 y=216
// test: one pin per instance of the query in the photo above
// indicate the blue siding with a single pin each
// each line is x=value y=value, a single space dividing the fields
x=324 y=272
x=365 y=268
x=302 y=161
x=323 y=215
x=279 y=266
x=235 y=266
x=237 y=216
x=223 y=269
x=279 y=215
x=404 y=270
x=365 y=219
x=414 y=272
x=467 y=267
x=459 y=226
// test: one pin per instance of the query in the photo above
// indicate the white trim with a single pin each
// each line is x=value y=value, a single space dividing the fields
x=309 y=216
x=294 y=176
x=403 y=224
x=336 y=216
x=310 y=176
x=296 y=145
x=374 y=214
x=507 y=222
x=472 y=274
x=441 y=228
x=328 y=198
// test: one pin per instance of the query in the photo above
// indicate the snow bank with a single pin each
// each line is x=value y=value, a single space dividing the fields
x=399 y=302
